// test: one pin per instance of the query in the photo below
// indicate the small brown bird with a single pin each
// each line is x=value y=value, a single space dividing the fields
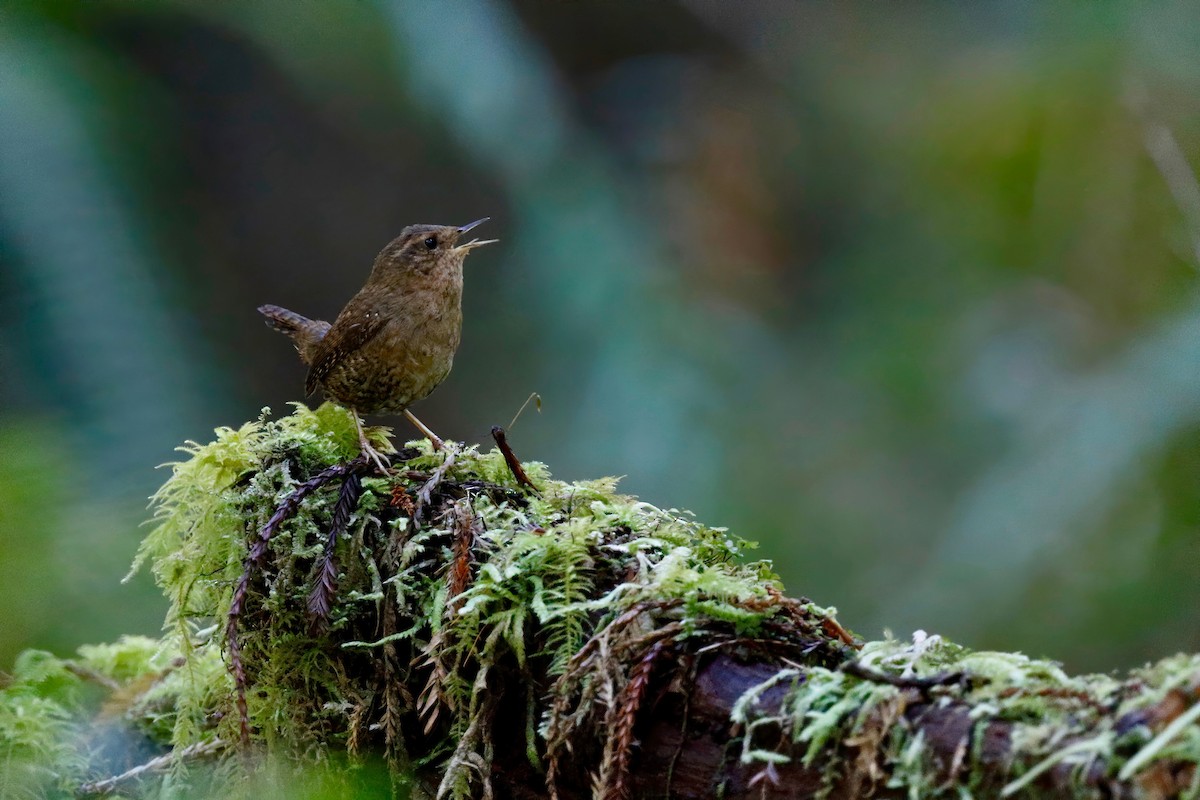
x=395 y=340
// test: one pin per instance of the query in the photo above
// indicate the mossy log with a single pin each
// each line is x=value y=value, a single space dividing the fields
x=466 y=634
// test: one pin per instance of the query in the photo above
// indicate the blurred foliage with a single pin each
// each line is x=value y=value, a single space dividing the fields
x=65 y=722
x=908 y=294
x=63 y=549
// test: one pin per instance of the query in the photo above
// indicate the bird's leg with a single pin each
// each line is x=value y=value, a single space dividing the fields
x=367 y=448
x=438 y=444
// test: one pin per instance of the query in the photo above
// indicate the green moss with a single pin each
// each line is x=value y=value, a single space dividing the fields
x=40 y=728
x=1082 y=722
x=48 y=708
x=461 y=598
x=131 y=657
x=530 y=579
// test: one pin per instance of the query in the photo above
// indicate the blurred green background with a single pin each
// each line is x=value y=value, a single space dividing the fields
x=905 y=292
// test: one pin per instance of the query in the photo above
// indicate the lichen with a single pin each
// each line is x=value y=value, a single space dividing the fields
x=1099 y=728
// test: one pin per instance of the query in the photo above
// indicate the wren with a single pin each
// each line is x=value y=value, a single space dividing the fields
x=395 y=340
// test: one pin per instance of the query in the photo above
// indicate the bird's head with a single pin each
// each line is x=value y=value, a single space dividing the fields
x=423 y=249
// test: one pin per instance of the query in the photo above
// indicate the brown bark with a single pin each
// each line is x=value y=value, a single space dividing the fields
x=689 y=750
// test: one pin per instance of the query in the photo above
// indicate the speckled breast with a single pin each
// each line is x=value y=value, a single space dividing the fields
x=395 y=370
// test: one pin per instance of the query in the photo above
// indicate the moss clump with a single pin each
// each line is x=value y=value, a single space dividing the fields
x=451 y=621
x=50 y=741
x=1091 y=731
x=454 y=588
x=38 y=728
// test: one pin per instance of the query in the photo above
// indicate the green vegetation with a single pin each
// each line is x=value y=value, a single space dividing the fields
x=448 y=576
x=1090 y=724
x=461 y=602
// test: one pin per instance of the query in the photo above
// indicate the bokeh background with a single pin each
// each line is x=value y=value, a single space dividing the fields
x=905 y=292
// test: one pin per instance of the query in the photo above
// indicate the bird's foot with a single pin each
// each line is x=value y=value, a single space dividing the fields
x=379 y=458
x=369 y=450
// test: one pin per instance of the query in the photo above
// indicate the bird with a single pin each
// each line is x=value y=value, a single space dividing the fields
x=395 y=340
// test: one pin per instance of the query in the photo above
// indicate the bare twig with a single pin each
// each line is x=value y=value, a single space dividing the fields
x=91 y=676
x=198 y=750
x=425 y=493
x=510 y=458
x=860 y=670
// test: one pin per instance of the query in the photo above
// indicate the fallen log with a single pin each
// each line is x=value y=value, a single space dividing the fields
x=463 y=634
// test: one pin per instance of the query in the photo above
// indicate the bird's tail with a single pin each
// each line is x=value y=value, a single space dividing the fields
x=305 y=332
x=284 y=321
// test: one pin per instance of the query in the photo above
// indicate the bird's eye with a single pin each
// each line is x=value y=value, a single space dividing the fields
x=431 y=242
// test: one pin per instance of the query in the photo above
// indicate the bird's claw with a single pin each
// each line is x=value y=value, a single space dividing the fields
x=369 y=450
x=381 y=461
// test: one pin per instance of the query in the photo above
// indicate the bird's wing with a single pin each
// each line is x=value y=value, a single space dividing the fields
x=342 y=340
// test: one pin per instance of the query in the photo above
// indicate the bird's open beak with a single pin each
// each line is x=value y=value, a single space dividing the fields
x=471 y=245
x=471 y=225
x=466 y=246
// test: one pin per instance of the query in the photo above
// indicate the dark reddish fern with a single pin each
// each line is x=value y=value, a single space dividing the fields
x=628 y=705
x=320 y=598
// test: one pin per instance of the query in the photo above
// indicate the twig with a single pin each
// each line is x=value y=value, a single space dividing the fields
x=258 y=551
x=510 y=458
x=860 y=670
x=425 y=493
x=162 y=762
x=91 y=675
